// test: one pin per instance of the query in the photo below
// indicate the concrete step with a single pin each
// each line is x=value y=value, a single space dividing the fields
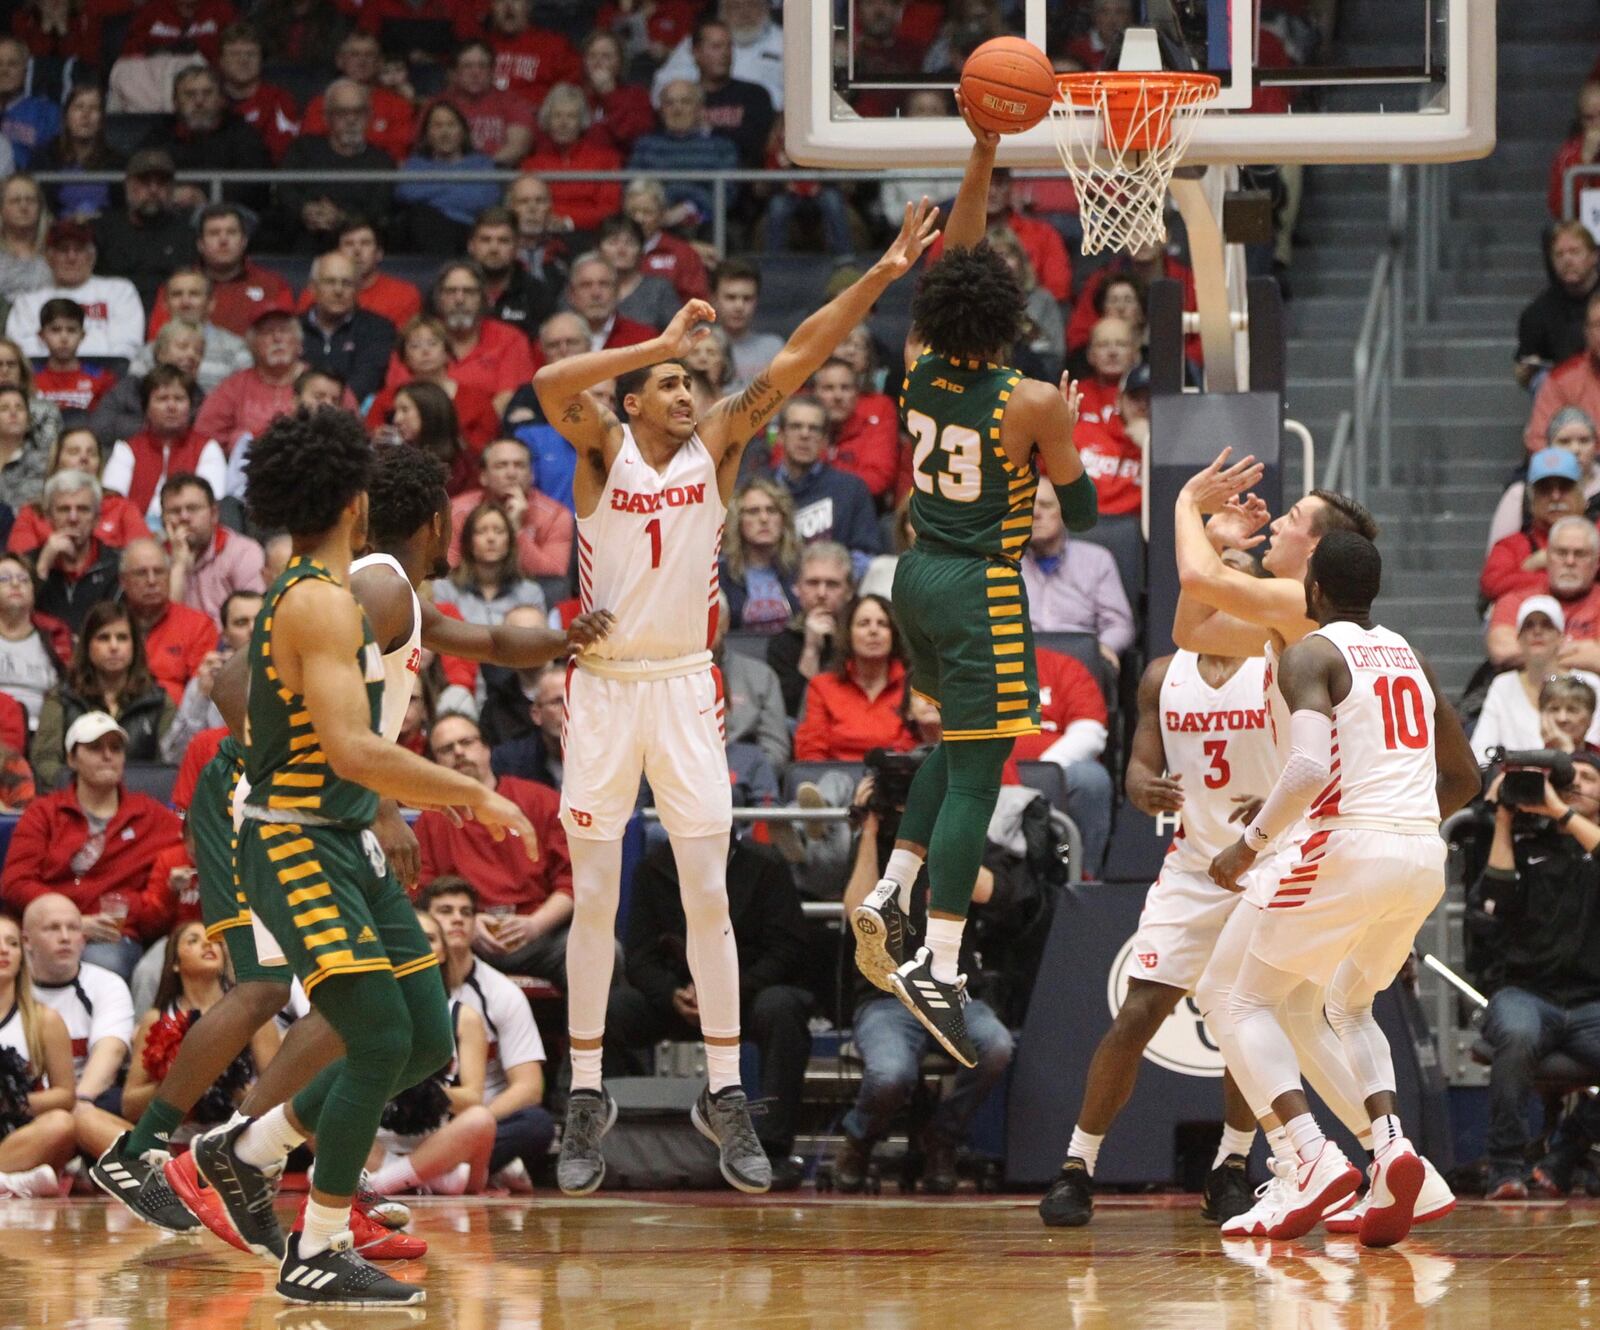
x=1469 y=398
x=1490 y=313
x=1338 y=316
x=1472 y=279
x=1317 y=229
x=1319 y=358
x=1484 y=358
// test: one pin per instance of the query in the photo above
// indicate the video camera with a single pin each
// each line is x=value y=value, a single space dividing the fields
x=892 y=774
x=1526 y=771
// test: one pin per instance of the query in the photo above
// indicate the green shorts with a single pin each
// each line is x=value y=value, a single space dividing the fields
x=964 y=623
x=328 y=897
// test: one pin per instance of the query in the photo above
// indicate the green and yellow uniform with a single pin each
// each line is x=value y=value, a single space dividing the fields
x=311 y=869
x=958 y=593
x=223 y=907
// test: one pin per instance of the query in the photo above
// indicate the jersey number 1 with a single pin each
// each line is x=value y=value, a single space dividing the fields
x=653 y=526
x=963 y=481
x=1403 y=718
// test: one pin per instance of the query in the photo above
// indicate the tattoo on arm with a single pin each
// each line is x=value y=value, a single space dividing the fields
x=757 y=402
x=574 y=413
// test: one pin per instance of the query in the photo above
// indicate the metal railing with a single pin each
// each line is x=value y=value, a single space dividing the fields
x=1375 y=361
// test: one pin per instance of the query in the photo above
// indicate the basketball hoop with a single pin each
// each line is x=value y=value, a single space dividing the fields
x=1120 y=157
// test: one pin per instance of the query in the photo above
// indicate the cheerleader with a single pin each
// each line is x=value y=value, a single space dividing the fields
x=37 y=1135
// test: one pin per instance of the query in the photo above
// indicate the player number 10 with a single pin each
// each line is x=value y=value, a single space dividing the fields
x=963 y=481
x=1403 y=716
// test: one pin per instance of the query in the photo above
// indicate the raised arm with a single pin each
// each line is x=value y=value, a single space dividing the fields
x=969 y=214
x=731 y=422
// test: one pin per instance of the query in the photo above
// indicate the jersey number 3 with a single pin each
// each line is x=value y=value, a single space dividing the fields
x=962 y=481
x=1219 y=773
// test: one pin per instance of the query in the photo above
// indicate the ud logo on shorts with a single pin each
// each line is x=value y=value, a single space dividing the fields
x=581 y=818
x=1182 y=1044
x=374 y=853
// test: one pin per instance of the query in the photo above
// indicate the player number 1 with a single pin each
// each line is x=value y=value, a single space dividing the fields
x=653 y=526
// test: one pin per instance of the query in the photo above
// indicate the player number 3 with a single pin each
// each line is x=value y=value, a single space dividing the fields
x=963 y=481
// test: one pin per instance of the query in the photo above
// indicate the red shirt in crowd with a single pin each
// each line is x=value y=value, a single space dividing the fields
x=529 y=64
x=500 y=869
x=624 y=332
x=586 y=203
x=13 y=724
x=202 y=748
x=1113 y=461
x=271 y=112
x=1081 y=325
x=672 y=257
x=50 y=851
x=235 y=301
x=624 y=113
x=161 y=26
x=1067 y=692
x=842 y=724
x=80 y=42
x=120 y=521
x=176 y=644
x=489 y=116
x=1044 y=247
x=476 y=417
x=172 y=904
x=391 y=127
x=868 y=444
x=72 y=389
x=1582 y=613
x=388 y=297
x=1503 y=572
x=544 y=540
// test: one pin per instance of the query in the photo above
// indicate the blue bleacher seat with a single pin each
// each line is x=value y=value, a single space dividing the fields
x=153 y=778
x=753 y=645
x=1085 y=649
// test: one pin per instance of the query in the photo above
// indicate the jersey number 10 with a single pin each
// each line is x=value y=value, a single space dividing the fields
x=1404 y=723
x=962 y=482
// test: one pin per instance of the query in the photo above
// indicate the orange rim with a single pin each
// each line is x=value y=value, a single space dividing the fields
x=1139 y=104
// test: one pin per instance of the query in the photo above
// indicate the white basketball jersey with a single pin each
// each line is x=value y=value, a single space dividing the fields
x=648 y=553
x=402 y=665
x=1384 y=769
x=1220 y=741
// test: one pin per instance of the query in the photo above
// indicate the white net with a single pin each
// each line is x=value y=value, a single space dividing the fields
x=1120 y=140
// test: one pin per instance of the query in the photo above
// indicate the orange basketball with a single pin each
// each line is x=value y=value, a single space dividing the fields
x=1008 y=84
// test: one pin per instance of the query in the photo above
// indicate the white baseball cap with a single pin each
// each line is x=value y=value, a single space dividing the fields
x=90 y=726
x=1548 y=606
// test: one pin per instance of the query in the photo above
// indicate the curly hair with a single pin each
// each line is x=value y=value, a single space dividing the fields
x=304 y=468
x=968 y=305
x=406 y=490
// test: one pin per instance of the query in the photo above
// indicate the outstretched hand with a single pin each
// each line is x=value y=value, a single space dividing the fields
x=1072 y=394
x=1237 y=525
x=921 y=225
x=687 y=327
x=985 y=138
x=1210 y=489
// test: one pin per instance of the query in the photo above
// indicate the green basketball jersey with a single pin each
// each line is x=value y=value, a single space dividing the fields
x=285 y=764
x=966 y=495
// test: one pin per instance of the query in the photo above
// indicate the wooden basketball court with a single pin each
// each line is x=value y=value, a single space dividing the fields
x=643 y=1261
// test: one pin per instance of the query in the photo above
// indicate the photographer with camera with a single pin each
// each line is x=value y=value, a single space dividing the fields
x=1540 y=898
x=889 y=1040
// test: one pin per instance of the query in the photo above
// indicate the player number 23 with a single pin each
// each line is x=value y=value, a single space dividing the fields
x=962 y=481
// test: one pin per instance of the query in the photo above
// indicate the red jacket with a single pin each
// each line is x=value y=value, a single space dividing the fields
x=13 y=724
x=161 y=902
x=392 y=129
x=500 y=869
x=533 y=62
x=1081 y=325
x=624 y=113
x=624 y=332
x=842 y=725
x=119 y=523
x=1503 y=572
x=586 y=202
x=868 y=444
x=476 y=417
x=234 y=302
x=177 y=644
x=202 y=748
x=1569 y=154
x=53 y=830
x=680 y=263
x=271 y=112
x=1112 y=460
x=1067 y=692
x=158 y=27
x=155 y=459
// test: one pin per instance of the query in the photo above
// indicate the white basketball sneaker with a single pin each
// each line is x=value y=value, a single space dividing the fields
x=1397 y=1175
x=1257 y=1221
x=1434 y=1202
x=1317 y=1185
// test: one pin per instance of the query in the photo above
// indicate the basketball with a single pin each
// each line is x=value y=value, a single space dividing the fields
x=1008 y=84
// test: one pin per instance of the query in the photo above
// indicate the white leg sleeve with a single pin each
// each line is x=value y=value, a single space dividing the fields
x=1322 y=1057
x=1265 y=1052
x=1350 y=1014
x=713 y=957
x=591 y=939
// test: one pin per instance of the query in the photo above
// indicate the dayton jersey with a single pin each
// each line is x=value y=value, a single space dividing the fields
x=1384 y=772
x=1220 y=741
x=648 y=553
x=967 y=495
x=402 y=665
x=285 y=766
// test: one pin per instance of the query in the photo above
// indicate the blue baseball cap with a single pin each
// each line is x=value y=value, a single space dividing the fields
x=1553 y=463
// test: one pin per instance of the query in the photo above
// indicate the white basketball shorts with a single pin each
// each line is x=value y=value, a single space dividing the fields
x=1351 y=894
x=668 y=730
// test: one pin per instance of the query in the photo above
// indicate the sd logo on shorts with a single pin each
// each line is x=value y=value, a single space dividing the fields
x=375 y=855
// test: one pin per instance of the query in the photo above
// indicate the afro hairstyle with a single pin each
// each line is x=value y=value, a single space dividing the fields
x=304 y=468
x=968 y=305
x=406 y=490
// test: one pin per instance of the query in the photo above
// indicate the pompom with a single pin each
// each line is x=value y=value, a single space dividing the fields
x=419 y=1110
x=161 y=1044
x=15 y=1084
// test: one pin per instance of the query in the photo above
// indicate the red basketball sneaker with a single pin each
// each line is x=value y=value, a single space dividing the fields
x=201 y=1199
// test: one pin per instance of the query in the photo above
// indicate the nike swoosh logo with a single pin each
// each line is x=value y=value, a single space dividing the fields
x=1536 y=859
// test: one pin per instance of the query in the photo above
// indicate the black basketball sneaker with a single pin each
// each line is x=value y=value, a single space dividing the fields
x=940 y=1007
x=880 y=928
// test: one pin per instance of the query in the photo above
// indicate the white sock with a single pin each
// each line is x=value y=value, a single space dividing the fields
x=268 y=1139
x=395 y=1174
x=1306 y=1136
x=586 y=1065
x=904 y=865
x=1386 y=1130
x=944 y=941
x=1234 y=1142
x=1282 y=1148
x=452 y=1182
x=1085 y=1147
x=722 y=1066
x=323 y=1223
